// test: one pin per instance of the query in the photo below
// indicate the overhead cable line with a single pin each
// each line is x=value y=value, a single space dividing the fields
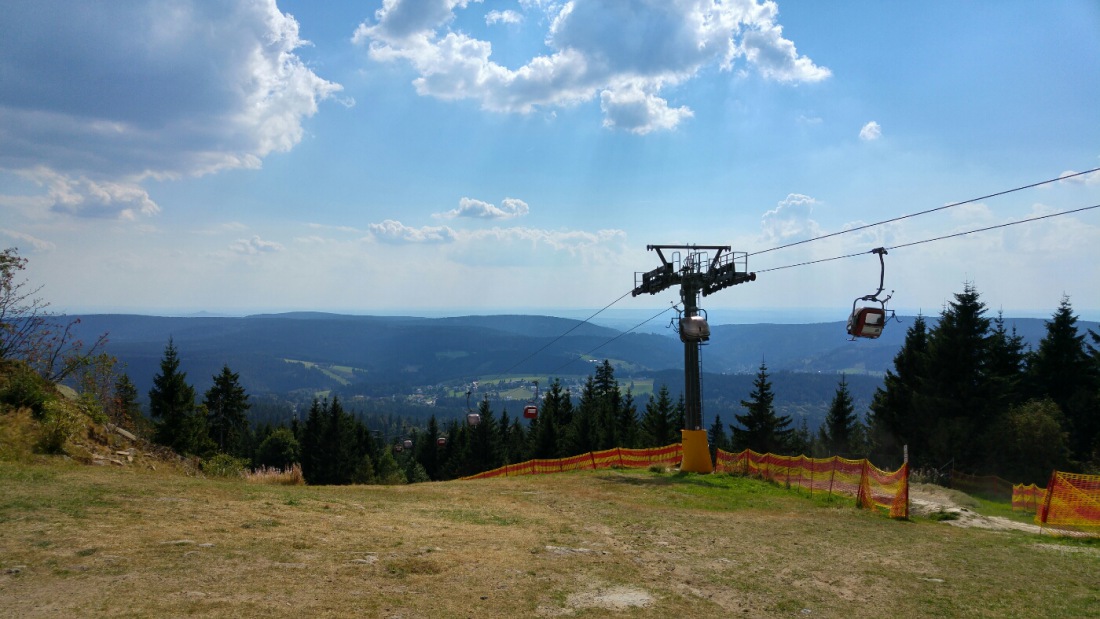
x=581 y=356
x=924 y=212
x=938 y=238
x=574 y=328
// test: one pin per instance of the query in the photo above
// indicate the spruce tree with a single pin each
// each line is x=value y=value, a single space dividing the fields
x=717 y=435
x=956 y=401
x=893 y=421
x=840 y=422
x=1061 y=370
x=227 y=413
x=762 y=430
x=1007 y=364
x=657 y=425
x=124 y=409
x=172 y=406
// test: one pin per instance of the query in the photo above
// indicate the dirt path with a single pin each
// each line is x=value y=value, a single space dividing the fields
x=925 y=499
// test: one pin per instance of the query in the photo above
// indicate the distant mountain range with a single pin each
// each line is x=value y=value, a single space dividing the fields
x=382 y=355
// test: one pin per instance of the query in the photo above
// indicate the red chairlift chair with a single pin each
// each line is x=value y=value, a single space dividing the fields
x=869 y=321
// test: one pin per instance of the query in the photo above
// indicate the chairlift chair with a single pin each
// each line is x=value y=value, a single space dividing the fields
x=868 y=321
x=472 y=418
x=531 y=411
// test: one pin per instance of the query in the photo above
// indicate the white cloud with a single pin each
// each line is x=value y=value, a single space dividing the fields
x=791 y=218
x=392 y=231
x=84 y=197
x=255 y=245
x=1071 y=176
x=624 y=51
x=105 y=95
x=639 y=112
x=469 y=207
x=503 y=17
x=35 y=242
x=870 y=132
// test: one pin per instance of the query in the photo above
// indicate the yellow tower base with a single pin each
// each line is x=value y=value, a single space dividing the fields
x=696 y=452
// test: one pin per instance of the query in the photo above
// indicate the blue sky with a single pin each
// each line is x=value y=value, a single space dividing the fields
x=446 y=156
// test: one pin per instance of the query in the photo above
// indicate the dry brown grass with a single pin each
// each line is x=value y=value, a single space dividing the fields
x=115 y=541
x=290 y=476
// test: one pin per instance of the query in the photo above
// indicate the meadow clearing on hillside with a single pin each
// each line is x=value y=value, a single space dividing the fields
x=80 y=540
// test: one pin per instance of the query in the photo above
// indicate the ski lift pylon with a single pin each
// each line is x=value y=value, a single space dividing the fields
x=868 y=321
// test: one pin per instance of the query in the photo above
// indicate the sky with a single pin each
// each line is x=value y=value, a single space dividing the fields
x=454 y=156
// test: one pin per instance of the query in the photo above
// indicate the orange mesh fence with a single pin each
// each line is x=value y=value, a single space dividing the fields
x=1027 y=498
x=1072 y=503
x=870 y=485
x=668 y=455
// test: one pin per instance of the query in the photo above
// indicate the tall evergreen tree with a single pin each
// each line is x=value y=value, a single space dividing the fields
x=658 y=422
x=840 y=422
x=717 y=435
x=124 y=409
x=1061 y=370
x=314 y=460
x=893 y=421
x=1007 y=364
x=956 y=402
x=227 y=413
x=172 y=405
x=762 y=430
x=546 y=429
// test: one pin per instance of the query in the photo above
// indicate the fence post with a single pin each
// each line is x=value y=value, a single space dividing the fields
x=592 y=457
x=832 y=473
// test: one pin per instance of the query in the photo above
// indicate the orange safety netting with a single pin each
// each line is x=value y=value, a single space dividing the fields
x=668 y=455
x=858 y=478
x=1027 y=498
x=1072 y=503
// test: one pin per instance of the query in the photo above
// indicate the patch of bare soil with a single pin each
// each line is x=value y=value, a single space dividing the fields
x=930 y=500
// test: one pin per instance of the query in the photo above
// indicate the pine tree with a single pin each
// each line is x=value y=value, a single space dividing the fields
x=315 y=463
x=840 y=422
x=1007 y=364
x=761 y=429
x=124 y=409
x=227 y=413
x=543 y=436
x=172 y=406
x=717 y=435
x=893 y=420
x=1061 y=370
x=956 y=401
x=657 y=425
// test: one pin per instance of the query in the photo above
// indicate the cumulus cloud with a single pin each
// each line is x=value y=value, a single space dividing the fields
x=469 y=207
x=255 y=245
x=106 y=95
x=88 y=198
x=503 y=17
x=870 y=132
x=392 y=231
x=625 y=52
x=636 y=111
x=791 y=218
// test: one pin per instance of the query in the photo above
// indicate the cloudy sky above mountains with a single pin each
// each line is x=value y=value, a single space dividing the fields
x=172 y=156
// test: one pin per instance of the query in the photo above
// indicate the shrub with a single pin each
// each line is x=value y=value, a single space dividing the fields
x=57 y=424
x=224 y=465
x=24 y=389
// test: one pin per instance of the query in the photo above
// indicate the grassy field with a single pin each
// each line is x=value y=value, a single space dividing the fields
x=128 y=541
